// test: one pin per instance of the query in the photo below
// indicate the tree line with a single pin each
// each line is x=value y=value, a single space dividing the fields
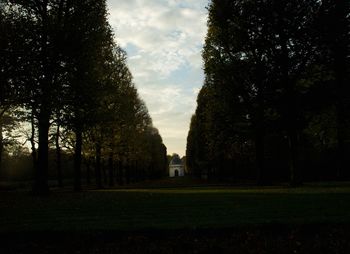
x=65 y=80
x=275 y=104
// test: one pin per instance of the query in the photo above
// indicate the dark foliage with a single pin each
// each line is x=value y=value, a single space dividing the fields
x=274 y=105
x=62 y=72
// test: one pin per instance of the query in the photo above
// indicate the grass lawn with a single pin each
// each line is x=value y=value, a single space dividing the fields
x=205 y=219
x=173 y=208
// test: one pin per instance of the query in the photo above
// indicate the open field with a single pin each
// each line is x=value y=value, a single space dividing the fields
x=207 y=207
x=148 y=215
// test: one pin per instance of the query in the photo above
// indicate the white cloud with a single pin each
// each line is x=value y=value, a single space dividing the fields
x=164 y=39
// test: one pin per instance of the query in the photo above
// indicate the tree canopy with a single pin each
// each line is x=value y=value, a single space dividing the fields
x=271 y=92
x=62 y=69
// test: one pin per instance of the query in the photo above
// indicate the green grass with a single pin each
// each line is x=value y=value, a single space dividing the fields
x=173 y=208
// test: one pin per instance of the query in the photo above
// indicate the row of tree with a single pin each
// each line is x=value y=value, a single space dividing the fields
x=62 y=74
x=275 y=105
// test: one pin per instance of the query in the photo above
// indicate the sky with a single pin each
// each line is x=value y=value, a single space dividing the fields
x=164 y=40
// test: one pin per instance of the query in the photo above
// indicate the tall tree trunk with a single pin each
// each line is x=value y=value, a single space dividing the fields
x=88 y=171
x=341 y=130
x=40 y=186
x=110 y=170
x=259 y=155
x=293 y=167
x=290 y=113
x=292 y=133
x=127 y=173
x=1 y=143
x=77 y=159
x=340 y=68
x=98 y=166
x=32 y=142
x=104 y=172
x=262 y=177
x=120 y=173
x=58 y=157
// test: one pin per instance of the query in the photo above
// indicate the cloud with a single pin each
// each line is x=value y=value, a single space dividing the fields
x=164 y=39
x=168 y=33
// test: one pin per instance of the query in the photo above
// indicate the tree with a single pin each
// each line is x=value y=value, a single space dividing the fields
x=262 y=67
x=88 y=48
x=42 y=40
x=333 y=25
x=11 y=60
x=62 y=68
x=235 y=66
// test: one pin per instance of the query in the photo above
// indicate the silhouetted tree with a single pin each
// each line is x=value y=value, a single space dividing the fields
x=265 y=63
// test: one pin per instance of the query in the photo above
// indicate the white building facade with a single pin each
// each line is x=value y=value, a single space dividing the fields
x=176 y=167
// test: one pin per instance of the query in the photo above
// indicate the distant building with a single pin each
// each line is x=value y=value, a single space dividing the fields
x=176 y=167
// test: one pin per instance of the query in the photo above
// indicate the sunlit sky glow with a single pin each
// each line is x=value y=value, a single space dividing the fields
x=163 y=40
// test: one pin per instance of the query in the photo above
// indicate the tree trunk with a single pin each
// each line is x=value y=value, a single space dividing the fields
x=58 y=158
x=290 y=113
x=127 y=173
x=77 y=159
x=98 y=166
x=292 y=132
x=120 y=173
x=1 y=144
x=293 y=167
x=259 y=155
x=88 y=171
x=32 y=143
x=110 y=170
x=104 y=172
x=341 y=130
x=340 y=69
x=262 y=177
x=40 y=186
